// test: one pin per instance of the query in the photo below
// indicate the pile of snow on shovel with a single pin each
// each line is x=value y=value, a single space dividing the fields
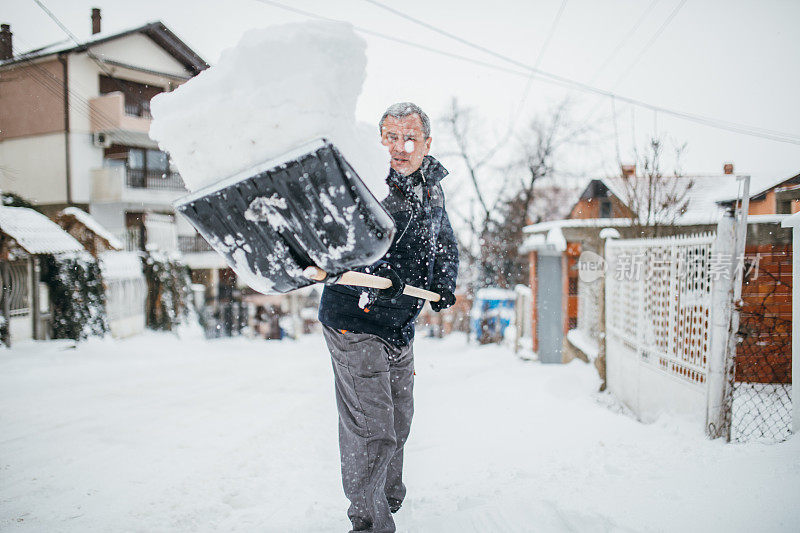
x=278 y=88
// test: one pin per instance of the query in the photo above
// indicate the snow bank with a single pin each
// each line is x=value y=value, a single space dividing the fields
x=159 y=433
x=279 y=87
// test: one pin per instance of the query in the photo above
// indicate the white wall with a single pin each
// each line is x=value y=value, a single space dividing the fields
x=85 y=157
x=20 y=328
x=647 y=390
x=140 y=50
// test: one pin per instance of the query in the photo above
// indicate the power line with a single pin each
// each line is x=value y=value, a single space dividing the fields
x=71 y=35
x=82 y=107
x=396 y=39
x=550 y=33
x=539 y=58
x=567 y=82
x=48 y=81
x=624 y=40
x=99 y=62
x=616 y=131
x=652 y=40
x=590 y=115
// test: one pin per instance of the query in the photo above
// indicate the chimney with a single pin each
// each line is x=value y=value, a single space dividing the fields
x=728 y=168
x=6 y=50
x=628 y=171
x=95 y=20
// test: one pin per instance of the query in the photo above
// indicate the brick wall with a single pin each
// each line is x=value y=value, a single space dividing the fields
x=765 y=354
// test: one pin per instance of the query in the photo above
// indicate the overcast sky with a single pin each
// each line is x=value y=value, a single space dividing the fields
x=732 y=60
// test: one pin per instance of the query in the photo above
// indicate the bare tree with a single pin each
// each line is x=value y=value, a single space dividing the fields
x=506 y=208
x=654 y=199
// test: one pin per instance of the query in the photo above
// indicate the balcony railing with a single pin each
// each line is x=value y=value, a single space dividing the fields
x=189 y=244
x=151 y=179
x=138 y=109
x=131 y=239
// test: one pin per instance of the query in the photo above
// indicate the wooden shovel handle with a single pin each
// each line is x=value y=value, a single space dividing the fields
x=359 y=279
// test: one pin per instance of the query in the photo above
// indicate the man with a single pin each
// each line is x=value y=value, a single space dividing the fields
x=370 y=335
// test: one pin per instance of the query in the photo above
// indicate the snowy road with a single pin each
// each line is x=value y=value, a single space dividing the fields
x=159 y=434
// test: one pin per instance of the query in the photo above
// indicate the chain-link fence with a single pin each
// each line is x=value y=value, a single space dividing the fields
x=761 y=394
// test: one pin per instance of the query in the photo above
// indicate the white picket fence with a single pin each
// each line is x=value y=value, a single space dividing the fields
x=661 y=298
x=126 y=292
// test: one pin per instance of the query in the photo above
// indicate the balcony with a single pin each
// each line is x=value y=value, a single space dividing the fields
x=198 y=254
x=109 y=112
x=121 y=184
x=153 y=180
x=189 y=244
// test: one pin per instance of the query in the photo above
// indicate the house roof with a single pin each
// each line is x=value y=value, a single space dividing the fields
x=708 y=196
x=156 y=31
x=92 y=225
x=621 y=222
x=760 y=185
x=35 y=233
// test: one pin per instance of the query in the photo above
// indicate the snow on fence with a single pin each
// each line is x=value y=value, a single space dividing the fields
x=19 y=300
x=523 y=318
x=18 y=292
x=659 y=316
x=587 y=335
x=126 y=292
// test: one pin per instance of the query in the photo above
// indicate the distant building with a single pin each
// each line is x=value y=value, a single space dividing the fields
x=565 y=314
x=25 y=236
x=75 y=121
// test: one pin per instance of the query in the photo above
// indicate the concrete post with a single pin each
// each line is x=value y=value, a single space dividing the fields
x=721 y=310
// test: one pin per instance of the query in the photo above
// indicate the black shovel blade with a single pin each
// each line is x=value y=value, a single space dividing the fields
x=307 y=208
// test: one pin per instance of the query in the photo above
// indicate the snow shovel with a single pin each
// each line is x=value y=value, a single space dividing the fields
x=294 y=221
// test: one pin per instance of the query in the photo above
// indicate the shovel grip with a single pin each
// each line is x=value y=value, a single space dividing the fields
x=359 y=279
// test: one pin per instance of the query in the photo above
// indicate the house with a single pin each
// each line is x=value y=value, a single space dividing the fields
x=87 y=231
x=25 y=236
x=123 y=279
x=75 y=129
x=567 y=313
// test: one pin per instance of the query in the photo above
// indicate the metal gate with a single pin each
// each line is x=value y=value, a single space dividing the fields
x=549 y=323
x=668 y=304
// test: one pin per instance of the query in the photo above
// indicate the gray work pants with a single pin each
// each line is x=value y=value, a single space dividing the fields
x=374 y=395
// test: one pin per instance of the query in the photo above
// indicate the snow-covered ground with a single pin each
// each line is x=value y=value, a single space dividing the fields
x=158 y=433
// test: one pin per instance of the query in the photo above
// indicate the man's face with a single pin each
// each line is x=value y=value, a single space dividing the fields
x=405 y=141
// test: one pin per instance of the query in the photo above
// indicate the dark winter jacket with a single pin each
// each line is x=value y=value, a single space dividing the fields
x=423 y=253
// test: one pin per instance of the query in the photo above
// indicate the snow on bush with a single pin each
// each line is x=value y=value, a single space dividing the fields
x=77 y=295
x=278 y=88
x=168 y=291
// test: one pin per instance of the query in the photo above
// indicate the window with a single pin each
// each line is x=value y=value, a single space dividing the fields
x=144 y=168
x=605 y=208
x=157 y=161
x=136 y=159
x=151 y=162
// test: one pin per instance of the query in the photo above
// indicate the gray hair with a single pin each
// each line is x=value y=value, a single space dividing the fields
x=404 y=109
